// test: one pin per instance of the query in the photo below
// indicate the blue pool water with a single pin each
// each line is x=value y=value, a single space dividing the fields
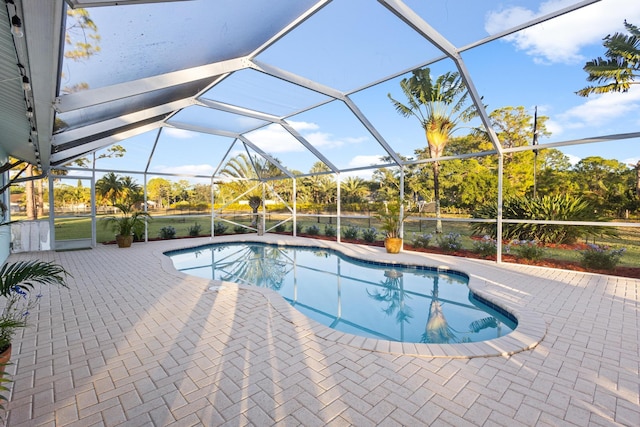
x=407 y=304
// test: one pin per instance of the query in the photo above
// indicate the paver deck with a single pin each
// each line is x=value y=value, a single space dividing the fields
x=135 y=343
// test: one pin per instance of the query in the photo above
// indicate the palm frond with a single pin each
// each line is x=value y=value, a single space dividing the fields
x=25 y=274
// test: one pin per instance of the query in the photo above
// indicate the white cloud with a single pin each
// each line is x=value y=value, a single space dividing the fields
x=303 y=126
x=561 y=39
x=327 y=140
x=362 y=160
x=203 y=169
x=601 y=110
x=179 y=133
x=275 y=139
x=574 y=160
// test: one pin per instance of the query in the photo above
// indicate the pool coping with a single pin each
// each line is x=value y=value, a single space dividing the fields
x=529 y=332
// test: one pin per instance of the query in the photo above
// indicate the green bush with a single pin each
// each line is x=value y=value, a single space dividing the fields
x=527 y=249
x=548 y=208
x=369 y=235
x=313 y=230
x=219 y=228
x=449 y=242
x=182 y=205
x=351 y=232
x=601 y=257
x=238 y=229
x=280 y=227
x=167 y=232
x=329 y=230
x=486 y=247
x=421 y=240
x=195 y=230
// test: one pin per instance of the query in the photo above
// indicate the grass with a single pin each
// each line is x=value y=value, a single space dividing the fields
x=80 y=227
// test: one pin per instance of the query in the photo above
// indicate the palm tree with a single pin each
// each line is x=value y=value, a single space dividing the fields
x=354 y=189
x=245 y=171
x=391 y=292
x=254 y=203
x=132 y=191
x=438 y=105
x=437 y=329
x=257 y=265
x=110 y=187
x=618 y=71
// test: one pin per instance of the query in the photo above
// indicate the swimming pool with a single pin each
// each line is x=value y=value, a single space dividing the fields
x=385 y=301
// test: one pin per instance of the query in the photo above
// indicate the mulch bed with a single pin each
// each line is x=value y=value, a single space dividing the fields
x=632 y=272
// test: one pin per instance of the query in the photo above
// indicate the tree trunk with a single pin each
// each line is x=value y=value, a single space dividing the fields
x=638 y=179
x=39 y=198
x=32 y=213
x=436 y=194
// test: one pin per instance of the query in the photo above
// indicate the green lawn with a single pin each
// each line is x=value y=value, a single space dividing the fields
x=74 y=228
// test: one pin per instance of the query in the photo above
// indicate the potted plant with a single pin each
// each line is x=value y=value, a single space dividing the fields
x=17 y=281
x=391 y=224
x=130 y=222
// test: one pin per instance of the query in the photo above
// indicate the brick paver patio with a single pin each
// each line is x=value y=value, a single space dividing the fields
x=135 y=343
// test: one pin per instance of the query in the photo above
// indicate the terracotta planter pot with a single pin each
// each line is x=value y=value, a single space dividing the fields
x=5 y=356
x=393 y=244
x=124 y=241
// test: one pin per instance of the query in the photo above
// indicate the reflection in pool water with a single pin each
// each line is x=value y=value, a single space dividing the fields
x=408 y=304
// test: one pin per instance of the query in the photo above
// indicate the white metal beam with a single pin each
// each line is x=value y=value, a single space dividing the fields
x=296 y=79
x=84 y=99
x=265 y=155
x=201 y=129
x=412 y=19
x=238 y=110
x=355 y=110
x=286 y=30
x=107 y=125
x=528 y=24
x=101 y=143
x=308 y=146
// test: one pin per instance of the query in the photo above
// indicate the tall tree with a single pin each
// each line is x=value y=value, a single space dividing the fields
x=159 y=190
x=602 y=182
x=618 y=72
x=245 y=172
x=439 y=105
x=110 y=188
x=354 y=190
x=621 y=67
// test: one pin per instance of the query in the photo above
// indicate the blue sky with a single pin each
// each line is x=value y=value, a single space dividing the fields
x=343 y=48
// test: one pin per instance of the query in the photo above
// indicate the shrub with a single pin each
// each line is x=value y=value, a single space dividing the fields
x=280 y=227
x=450 y=242
x=219 y=228
x=238 y=229
x=369 y=234
x=182 y=205
x=167 y=232
x=329 y=230
x=485 y=247
x=601 y=257
x=351 y=232
x=527 y=249
x=313 y=230
x=421 y=240
x=298 y=228
x=552 y=208
x=195 y=230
